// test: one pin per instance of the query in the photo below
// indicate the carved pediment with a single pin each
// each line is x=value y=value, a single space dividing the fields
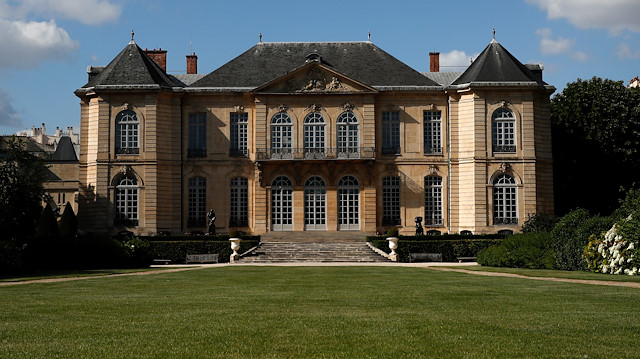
x=314 y=78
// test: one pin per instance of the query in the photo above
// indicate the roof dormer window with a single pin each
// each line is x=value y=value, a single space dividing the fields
x=314 y=56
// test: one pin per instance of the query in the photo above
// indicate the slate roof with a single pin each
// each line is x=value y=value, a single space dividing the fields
x=65 y=150
x=443 y=78
x=496 y=65
x=267 y=61
x=131 y=68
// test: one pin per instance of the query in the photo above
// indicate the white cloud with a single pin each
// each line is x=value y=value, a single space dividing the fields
x=88 y=12
x=559 y=46
x=613 y=15
x=625 y=52
x=26 y=44
x=455 y=60
x=8 y=115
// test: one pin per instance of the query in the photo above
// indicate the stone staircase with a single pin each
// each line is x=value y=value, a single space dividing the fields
x=280 y=247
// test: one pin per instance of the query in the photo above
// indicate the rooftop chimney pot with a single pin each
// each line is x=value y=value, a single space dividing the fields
x=434 y=62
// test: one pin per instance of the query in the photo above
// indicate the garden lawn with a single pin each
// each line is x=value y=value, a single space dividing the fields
x=317 y=312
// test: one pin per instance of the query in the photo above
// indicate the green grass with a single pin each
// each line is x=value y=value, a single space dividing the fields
x=310 y=312
x=46 y=274
x=554 y=273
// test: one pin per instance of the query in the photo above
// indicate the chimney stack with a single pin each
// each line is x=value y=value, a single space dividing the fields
x=159 y=57
x=192 y=64
x=434 y=62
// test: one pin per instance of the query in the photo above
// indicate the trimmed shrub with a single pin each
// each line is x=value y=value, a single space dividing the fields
x=527 y=250
x=10 y=257
x=68 y=225
x=47 y=225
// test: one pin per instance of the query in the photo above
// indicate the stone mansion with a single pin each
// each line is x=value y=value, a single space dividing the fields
x=317 y=136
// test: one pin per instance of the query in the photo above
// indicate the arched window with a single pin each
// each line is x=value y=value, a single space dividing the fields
x=391 y=201
x=239 y=202
x=348 y=135
x=315 y=194
x=314 y=135
x=503 y=130
x=281 y=204
x=505 y=202
x=127 y=202
x=281 y=136
x=197 y=202
x=348 y=203
x=433 y=201
x=127 y=132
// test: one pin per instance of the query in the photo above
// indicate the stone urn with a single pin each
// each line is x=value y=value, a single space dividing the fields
x=235 y=246
x=393 y=245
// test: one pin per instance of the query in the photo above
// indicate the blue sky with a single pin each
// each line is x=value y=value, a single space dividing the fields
x=46 y=45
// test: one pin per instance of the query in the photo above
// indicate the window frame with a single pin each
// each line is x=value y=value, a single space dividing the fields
x=505 y=200
x=239 y=134
x=127 y=136
x=391 y=133
x=391 y=201
x=197 y=202
x=503 y=131
x=126 y=202
x=348 y=135
x=433 y=201
x=239 y=202
x=197 y=132
x=432 y=120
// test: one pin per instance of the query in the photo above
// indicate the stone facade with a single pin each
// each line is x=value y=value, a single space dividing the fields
x=320 y=146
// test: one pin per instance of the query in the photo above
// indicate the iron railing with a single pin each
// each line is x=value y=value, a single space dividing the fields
x=510 y=148
x=315 y=153
x=505 y=220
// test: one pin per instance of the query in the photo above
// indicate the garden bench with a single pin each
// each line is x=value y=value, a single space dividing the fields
x=202 y=258
x=467 y=259
x=430 y=257
x=161 y=261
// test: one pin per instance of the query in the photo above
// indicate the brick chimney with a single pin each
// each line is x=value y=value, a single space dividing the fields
x=434 y=62
x=192 y=64
x=159 y=56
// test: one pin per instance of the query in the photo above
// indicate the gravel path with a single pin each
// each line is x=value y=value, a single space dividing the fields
x=433 y=266
x=551 y=279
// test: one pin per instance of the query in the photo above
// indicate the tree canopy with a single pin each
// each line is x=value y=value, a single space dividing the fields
x=596 y=144
x=22 y=175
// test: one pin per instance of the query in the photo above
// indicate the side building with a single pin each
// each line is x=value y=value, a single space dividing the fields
x=327 y=136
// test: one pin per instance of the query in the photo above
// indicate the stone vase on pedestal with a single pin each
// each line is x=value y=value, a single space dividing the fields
x=393 y=245
x=235 y=246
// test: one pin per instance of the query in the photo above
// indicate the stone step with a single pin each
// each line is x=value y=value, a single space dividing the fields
x=344 y=251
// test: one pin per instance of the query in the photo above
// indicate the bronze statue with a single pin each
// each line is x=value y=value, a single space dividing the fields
x=212 y=222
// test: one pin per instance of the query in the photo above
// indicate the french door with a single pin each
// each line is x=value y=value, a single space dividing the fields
x=315 y=194
x=348 y=203
x=281 y=204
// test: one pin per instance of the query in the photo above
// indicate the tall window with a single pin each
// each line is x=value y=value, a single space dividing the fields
x=127 y=202
x=314 y=135
x=281 y=204
x=281 y=135
x=197 y=202
x=433 y=201
x=239 y=134
x=348 y=135
x=505 y=200
x=432 y=132
x=315 y=195
x=391 y=133
x=197 y=135
x=503 y=130
x=391 y=201
x=127 y=133
x=239 y=202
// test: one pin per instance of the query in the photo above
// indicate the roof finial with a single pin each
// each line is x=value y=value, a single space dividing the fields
x=369 y=35
x=494 y=35
x=260 y=37
x=132 y=33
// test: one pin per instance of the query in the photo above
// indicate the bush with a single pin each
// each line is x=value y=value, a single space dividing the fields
x=539 y=222
x=47 y=225
x=177 y=251
x=10 y=257
x=571 y=235
x=68 y=222
x=527 y=250
x=450 y=248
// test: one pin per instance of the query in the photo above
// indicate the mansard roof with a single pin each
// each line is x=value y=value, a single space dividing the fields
x=132 y=68
x=361 y=61
x=496 y=65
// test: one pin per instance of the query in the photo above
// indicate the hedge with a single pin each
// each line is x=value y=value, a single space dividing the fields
x=177 y=250
x=531 y=250
x=450 y=248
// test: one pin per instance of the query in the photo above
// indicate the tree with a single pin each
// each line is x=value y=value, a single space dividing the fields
x=22 y=175
x=68 y=222
x=596 y=144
